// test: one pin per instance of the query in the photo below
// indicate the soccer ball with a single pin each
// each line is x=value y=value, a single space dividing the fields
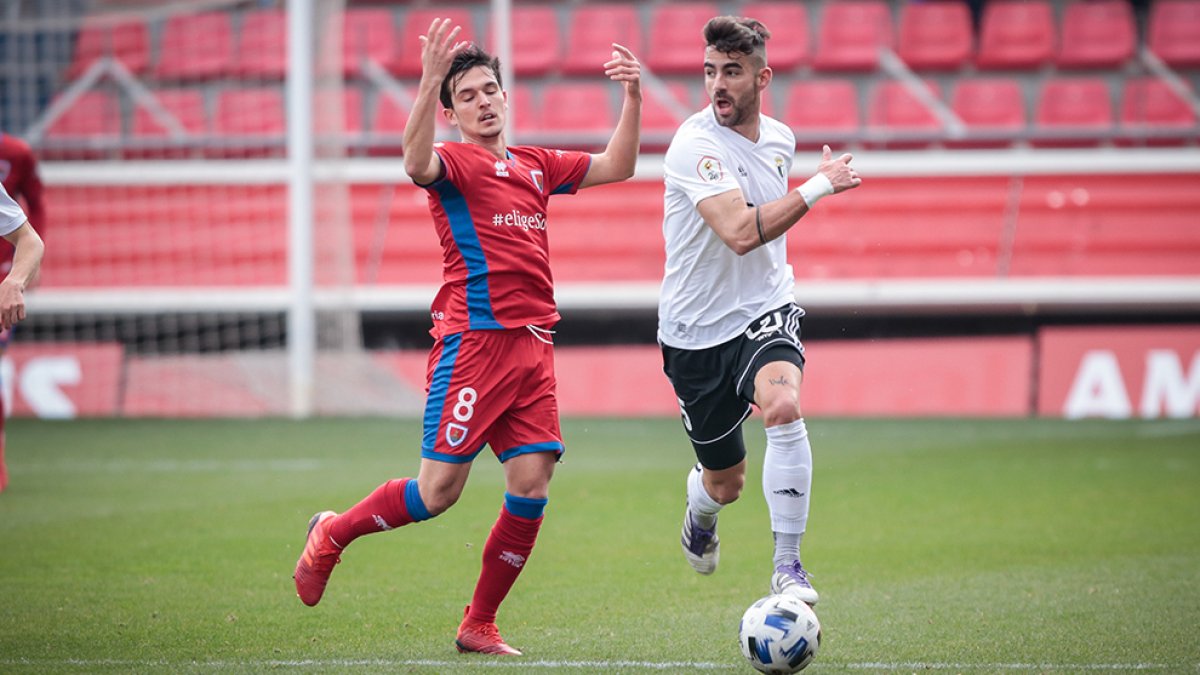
x=779 y=634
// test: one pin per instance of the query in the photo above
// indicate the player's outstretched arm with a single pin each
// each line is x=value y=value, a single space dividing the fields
x=619 y=159
x=744 y=228
x=27 y=260
x=438 y=49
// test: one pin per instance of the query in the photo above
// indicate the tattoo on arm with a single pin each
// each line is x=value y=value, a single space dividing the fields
x=781 y=380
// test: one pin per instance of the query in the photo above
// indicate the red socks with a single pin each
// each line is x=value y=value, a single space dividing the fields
x=394 y=504
x=504 y=555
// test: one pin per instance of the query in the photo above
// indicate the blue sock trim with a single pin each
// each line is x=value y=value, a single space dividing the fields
x=412 y=502
x=525 y=507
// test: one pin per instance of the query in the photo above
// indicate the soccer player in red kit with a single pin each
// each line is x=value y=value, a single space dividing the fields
x=18 y=174
x=491 y=371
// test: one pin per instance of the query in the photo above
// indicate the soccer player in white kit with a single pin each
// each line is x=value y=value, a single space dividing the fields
x=728 y=323
x=27 y=259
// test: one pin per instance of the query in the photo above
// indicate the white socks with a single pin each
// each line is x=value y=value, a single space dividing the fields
x=786 y=480
x=704 y=509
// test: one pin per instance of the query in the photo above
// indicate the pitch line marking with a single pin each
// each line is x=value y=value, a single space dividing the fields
x=473 y=662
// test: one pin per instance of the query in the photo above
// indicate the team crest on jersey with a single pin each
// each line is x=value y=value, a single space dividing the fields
x=456 y=434
x=536 y=176
x=710 y=169
x=779 y=165
x=501 y=169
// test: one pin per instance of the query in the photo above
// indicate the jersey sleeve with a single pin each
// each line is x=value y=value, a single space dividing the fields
x=697 y=166
x=565 y=170
x=11 y=215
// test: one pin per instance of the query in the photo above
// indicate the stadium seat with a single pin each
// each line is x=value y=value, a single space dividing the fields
x=1073 y=112
x=195 y=47
x=935 y=35
x=406 y=57
x=1174 y=32
x=897 y=117
x=1152 y=113
x=249 y=122
x=1016 y=34
x=536 y=50
x=851 y=34
x=678 y=44
x=525 y=110
x=1097 y=34
x=367 y=33
x=149 y=138
x=592 y=30
x=790 y=45
x=993 y=110
x=659 y=120
x=128 y=42
x=95 y=114
x=587 y=107
x=822 y=111
x=262 y=45
x=338 y=114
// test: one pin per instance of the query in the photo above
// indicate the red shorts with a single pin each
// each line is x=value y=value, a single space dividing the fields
x=490 y=387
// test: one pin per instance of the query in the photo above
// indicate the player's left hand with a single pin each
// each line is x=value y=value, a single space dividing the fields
x=12 y=304
x=624 y=68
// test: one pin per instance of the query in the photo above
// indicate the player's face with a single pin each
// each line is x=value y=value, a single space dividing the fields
x=734 y=84
x=480 y=106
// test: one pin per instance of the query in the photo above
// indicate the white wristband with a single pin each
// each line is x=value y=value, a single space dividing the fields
x=814 y=188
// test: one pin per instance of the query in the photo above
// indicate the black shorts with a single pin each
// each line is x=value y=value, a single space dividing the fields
x=715 y=386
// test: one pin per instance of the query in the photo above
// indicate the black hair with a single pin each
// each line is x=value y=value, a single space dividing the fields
x=465 y=60
x=737 y=35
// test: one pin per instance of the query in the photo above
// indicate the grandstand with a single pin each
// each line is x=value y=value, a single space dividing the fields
x=1024 y=157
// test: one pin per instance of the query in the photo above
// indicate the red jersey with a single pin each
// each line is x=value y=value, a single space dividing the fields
x=490 y=216
x=18 y=172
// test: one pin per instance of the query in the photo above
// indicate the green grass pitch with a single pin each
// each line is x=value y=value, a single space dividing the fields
x=937 y=545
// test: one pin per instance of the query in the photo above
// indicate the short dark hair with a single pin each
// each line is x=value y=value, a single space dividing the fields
x=465 y=60
x=737 y=35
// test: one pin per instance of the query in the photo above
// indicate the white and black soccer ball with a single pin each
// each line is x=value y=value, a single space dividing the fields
x=779 y=634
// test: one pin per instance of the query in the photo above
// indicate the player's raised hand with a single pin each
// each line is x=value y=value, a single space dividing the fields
x=624 y=68
x=438 y=48
x=839 y=172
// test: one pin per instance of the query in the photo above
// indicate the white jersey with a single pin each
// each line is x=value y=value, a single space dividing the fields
x=709 y=293
x=11 y=215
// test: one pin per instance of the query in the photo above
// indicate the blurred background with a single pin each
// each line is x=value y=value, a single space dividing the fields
x=230 y=231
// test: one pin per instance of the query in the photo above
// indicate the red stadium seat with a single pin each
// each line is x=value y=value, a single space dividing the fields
x=536 y=50
x=678 y=44
x=339 y=114
x=935 y=35
x=1016 y=34
x=185 y=105
x=898 y=118
x=249 y=122
x=150 y=138
x=367 y=33
x=582 y=106
x=128 y=42
x=95 y=114
x=851 y=34
x=822 y=111
x=1097 y=34
x=406 y=57
x=1174 y=32
x=195 y=47
x=1153 y=113
x=1072 y=112
x=262 y=45
x=790 y=45
x=525 y=112
x=658 y=118
x=592 y=30
x=993 y=110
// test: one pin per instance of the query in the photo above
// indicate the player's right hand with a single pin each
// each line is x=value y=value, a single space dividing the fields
x=839 y=172
x=438 y=48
